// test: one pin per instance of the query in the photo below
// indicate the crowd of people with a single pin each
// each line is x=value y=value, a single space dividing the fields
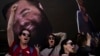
x=27 y=21
x=85 y=44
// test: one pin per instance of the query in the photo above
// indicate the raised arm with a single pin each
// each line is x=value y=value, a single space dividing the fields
x=62 y=35
x=10 y=33
x=88 y=39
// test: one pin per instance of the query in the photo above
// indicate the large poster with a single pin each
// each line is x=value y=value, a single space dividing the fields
x=34 y=20
x=42 y=27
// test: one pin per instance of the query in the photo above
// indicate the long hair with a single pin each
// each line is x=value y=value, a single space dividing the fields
x=62 y=48
x=56 y=39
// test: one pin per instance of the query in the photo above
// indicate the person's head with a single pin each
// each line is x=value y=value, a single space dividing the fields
x=82 y=6
x=67 y=46
x=51 y=40
x=80 y=2
x=81 y=40
x=24 y=36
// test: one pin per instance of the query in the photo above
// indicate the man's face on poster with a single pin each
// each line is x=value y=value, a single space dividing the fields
x=27 y=16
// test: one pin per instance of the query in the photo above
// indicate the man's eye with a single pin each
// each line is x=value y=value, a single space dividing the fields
x=23 y=15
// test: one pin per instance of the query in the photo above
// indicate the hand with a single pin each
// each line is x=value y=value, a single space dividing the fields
x=12 y=12
x=37 y=48
x=88 y=39
x=88 y=36
x=82 y=33
x=14 y=7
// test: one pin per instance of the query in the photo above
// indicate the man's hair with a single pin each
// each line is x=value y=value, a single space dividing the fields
x=81 y=39
x=7 y=6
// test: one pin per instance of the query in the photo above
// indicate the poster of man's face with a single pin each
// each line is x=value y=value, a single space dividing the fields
x=29 y=15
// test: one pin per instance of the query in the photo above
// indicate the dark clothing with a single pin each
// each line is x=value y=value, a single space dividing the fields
x=83 y=51
x=83 y=25
x=97 y=52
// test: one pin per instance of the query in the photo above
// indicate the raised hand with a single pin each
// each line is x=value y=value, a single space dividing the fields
x=88 y=39
x=14 y=7
x=37 y=47
x=88 y=36
x=12 y=14
x=10 y=33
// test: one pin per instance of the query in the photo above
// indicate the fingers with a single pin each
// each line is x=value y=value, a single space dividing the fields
x=14 y=7
x=37 y=46
x=88 y=36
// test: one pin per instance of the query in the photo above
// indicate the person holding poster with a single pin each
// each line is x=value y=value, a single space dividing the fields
x=29 y=15
x=22 y=48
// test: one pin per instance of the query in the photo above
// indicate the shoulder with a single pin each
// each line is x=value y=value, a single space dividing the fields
x=13 y=44
x=44 y=50
x=13 y=47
